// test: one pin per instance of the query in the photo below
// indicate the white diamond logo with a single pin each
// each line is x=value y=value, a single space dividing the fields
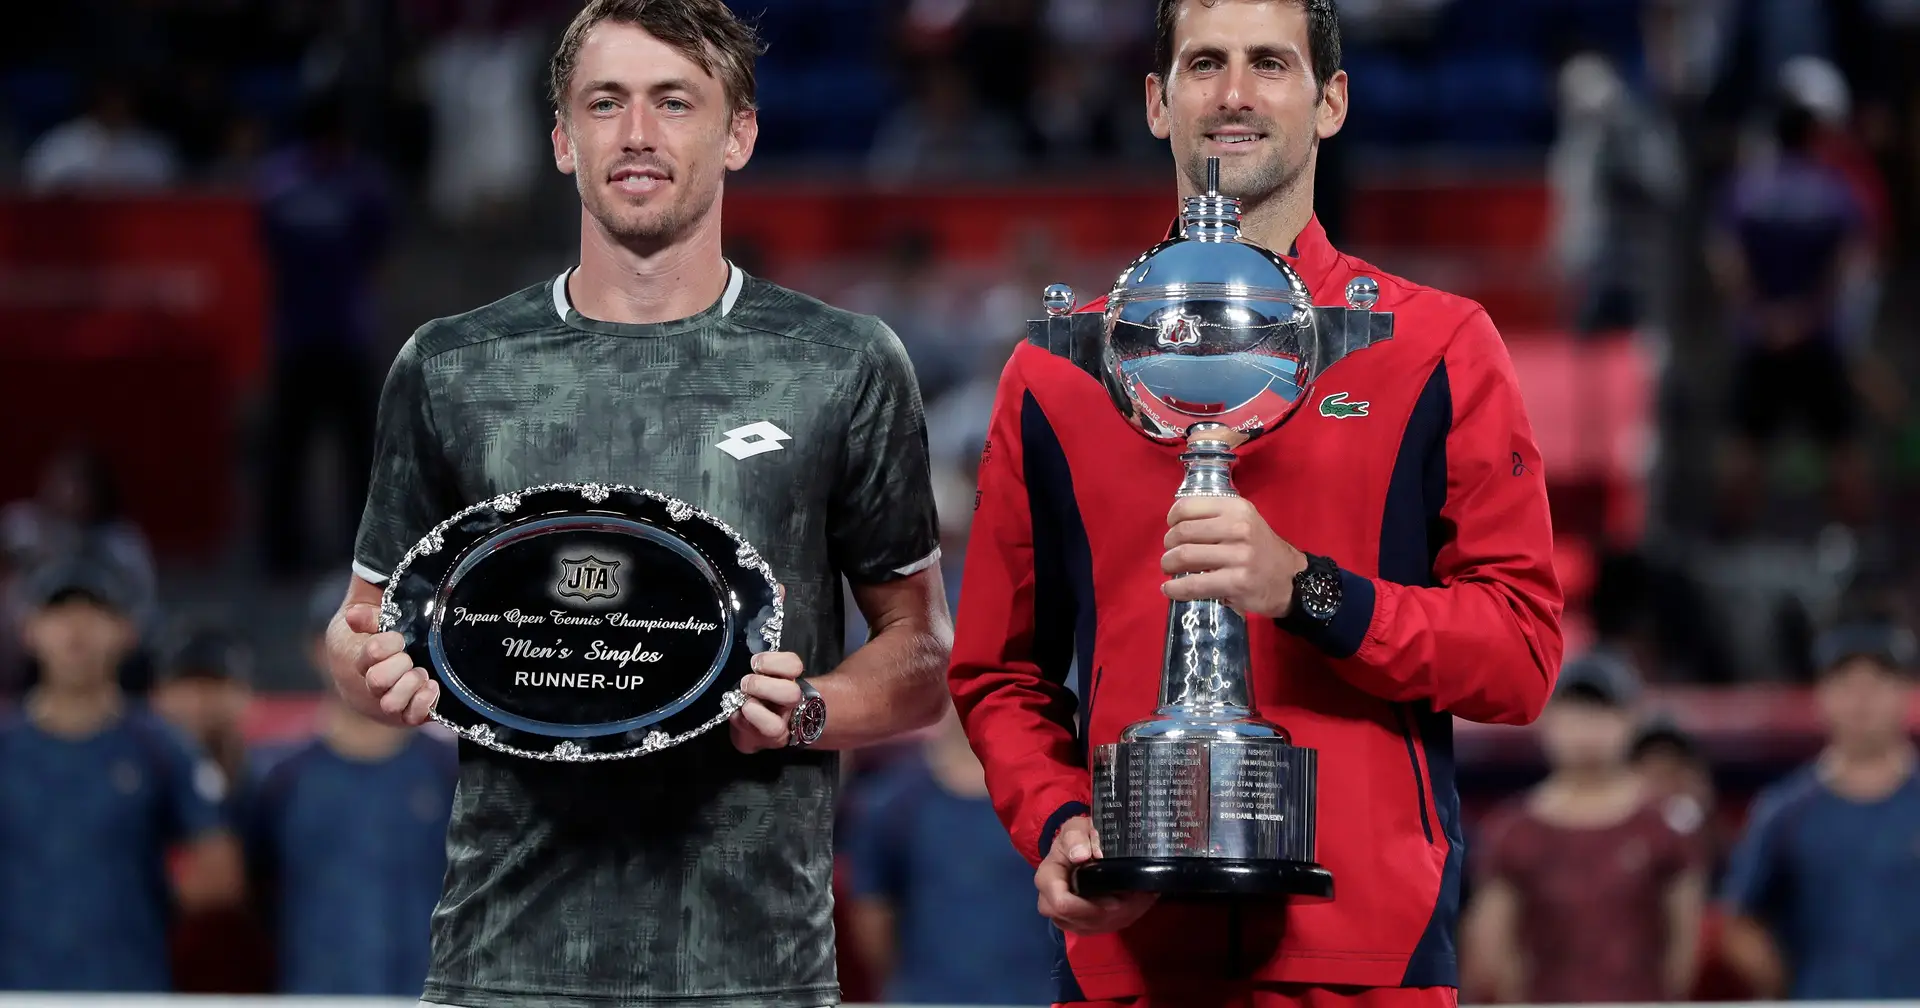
x=753 y=439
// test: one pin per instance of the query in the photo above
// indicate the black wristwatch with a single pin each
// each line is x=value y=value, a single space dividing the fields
x=809 y=718
x=1316 y=592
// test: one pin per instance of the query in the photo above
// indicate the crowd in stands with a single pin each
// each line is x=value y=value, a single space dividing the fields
x=1735 y=181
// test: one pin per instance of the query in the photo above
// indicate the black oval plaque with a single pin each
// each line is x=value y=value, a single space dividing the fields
x=583 y=622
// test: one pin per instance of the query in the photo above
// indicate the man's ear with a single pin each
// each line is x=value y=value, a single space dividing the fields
x=1332 y=114
x=743 y=133
x=563 y=158
x=1157 y=118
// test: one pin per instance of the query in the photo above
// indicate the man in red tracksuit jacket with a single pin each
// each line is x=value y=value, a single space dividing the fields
x=1411 y=465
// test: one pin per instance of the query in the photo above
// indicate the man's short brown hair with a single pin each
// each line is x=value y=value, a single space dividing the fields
x=1323 y=38
x=705 y=31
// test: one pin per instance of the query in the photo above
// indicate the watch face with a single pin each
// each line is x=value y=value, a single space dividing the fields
x=1320 y=595
x=809 y=721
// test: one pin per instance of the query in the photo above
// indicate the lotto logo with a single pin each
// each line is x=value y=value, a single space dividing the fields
x=753 y=439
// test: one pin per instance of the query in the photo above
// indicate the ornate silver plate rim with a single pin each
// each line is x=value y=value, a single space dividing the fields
x=568 y=751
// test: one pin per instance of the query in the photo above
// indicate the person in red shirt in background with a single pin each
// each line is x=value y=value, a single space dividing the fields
x=1586 y=890
x=1676 y=771
x=1408 y=484
x=203 y=690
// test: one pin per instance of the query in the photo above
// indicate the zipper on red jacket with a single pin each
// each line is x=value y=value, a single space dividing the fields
x=1413 y=757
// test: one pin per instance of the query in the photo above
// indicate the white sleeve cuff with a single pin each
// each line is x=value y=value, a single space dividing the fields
x=368 y=574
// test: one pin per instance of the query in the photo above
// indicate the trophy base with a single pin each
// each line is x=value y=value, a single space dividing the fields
x=1302 y=881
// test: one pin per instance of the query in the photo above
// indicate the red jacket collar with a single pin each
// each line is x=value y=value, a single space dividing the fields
x=1312 y=254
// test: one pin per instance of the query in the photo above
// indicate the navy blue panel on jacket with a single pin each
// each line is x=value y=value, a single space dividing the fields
x=1063 y=616
x=1412 y=532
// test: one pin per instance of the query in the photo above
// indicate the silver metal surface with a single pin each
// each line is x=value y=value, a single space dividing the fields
x=1059 y=300
x=1243 y=799
x=595 y=493
x=1208 y=328
x=1363 y=292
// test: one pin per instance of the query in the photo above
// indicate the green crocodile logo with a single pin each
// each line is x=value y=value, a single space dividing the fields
x=1337 y=406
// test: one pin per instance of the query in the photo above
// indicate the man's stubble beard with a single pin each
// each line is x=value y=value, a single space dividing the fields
x=653 y=226
x=1253 y=185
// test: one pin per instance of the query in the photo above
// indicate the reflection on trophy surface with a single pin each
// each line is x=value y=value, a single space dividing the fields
x=1207 y=341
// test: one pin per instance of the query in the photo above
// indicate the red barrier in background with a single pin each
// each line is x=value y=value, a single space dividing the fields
x=137 y=324
x=132 y=325
x=1480 y=239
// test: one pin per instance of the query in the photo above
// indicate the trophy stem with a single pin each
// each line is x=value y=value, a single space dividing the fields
x=1206 y=661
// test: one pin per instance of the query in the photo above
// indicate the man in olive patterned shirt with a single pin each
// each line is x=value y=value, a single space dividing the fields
x=700 y=875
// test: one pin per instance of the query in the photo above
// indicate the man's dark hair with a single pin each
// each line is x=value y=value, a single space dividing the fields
x=705 y=31
x=1323 y=37
x=1793 y=127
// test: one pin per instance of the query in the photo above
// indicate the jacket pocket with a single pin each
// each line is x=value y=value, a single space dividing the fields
x=1413 y=761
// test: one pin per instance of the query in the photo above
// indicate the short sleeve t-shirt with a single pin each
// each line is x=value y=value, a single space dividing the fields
x=1592 y=901
x=351 y=854
x=1792 y=219
x=965 y=924
x=85 y=825
x=1836 y=881
x=697 y=875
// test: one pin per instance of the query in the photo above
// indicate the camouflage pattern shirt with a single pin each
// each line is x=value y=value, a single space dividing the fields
x=696 y=876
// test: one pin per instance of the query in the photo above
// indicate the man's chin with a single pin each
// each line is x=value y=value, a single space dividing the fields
x=628 y=227
x=1249 y=177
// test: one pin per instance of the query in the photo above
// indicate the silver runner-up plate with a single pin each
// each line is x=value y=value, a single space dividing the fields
x=583 y=622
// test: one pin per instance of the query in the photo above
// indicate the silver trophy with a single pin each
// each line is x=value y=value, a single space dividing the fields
x=1207 y=341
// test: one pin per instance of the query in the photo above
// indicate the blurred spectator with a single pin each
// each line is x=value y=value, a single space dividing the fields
x=106 y=149
x=942 y=134
x=1818 y=86
x=346 y=840
x=1759 y=38
x=1585 y=890
x=1617 y=174
x=93 y=793
x=480 y=75
x=1680 y=780
x=77 y=509
x=327 y=217
x=1825 y=881
x=1789 y=233
x=944 y=905
x=203 y=689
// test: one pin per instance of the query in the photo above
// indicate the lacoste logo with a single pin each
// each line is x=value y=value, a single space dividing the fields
x=1337 y=406
x=753 y=439
x=588 y=578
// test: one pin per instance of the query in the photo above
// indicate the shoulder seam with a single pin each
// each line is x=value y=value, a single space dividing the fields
x=476 y=341
x=864 y=352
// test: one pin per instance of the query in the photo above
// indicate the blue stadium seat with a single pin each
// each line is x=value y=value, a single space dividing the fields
x=1389 y=98
x=1494 y=100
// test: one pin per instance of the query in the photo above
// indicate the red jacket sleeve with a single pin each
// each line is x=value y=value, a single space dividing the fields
x=1484 y=644
x=1014 y=703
